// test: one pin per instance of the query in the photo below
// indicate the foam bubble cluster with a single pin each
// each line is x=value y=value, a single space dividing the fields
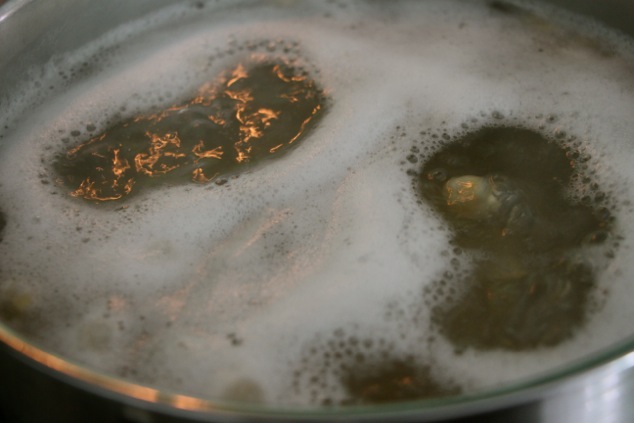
x=310 y=280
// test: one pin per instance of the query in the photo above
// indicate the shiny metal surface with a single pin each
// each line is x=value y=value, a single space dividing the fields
x=35 y=389
x=603 y=395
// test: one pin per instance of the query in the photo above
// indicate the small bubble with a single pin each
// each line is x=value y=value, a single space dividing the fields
x=438 y=175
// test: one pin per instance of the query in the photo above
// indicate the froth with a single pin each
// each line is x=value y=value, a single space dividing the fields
x=252 y=279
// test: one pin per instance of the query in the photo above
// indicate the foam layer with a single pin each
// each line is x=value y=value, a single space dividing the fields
x=240 y=291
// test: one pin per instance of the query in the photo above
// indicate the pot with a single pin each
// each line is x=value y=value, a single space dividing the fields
x=41 y=386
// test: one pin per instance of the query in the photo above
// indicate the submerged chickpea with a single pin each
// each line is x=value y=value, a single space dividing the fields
x=471 y=197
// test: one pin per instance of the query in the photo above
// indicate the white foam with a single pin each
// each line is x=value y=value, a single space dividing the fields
x=323 y=238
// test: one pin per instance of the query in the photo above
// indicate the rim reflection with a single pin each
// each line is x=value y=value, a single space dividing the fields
x=614 y=362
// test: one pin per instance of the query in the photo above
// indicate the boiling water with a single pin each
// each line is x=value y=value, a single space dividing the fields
x=315 y=278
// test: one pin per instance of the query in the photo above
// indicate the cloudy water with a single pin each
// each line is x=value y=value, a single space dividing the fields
x=324 y=203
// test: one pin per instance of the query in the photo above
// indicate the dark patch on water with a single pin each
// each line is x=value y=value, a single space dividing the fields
x=502 y=190
x=369 y=370
x=252 y=113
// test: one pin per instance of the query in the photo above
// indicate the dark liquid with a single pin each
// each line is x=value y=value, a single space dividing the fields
x=370 y=372
x=503 y=193
x=248 y=115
